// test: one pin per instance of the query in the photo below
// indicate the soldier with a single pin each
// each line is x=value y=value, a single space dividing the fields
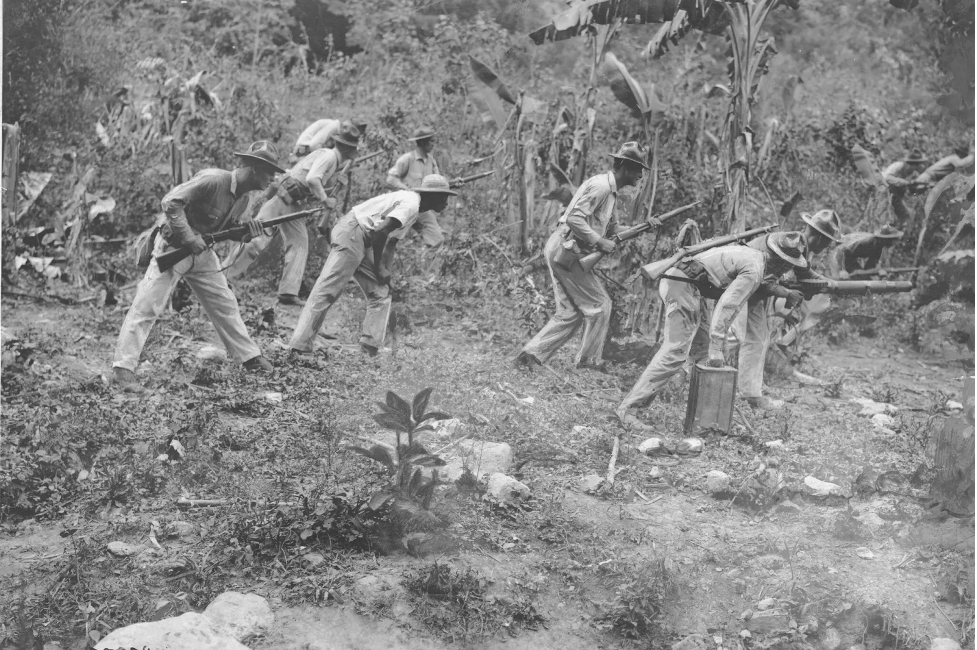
x=586 y=226
x=407 y=174
x=730 y=274
x=206 y=203
x=307 y=180
x=862 y=250
x=821 y=229
x=318 y=135
x=362 y=249
x=899 y=178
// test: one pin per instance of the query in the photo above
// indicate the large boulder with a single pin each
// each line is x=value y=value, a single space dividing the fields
x=190 y=631
x=244 y=615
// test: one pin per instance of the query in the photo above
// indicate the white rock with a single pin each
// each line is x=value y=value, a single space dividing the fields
x=943 y=643
x=506 y=489
x=651 y=446
x=831 y=639
x=314 y=559
x=244 y=615
x=122 y=549
x=821 y=488
x=591 y=483
x=689 y=446
x=212 y=353
x=871 y=407
x=717 y=482
x=271 y=397
x=482 y=458
x=450 y=429
x=774 y=444
x=883 y=420
x=766 y=603
x=190 y=631
x=655 y=472
x=954 y=406
x=864 y=552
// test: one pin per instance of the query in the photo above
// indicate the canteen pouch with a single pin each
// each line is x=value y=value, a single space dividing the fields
x=566 y=254
x=145 y=243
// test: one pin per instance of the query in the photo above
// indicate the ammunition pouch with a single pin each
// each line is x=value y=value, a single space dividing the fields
x=696 y=272
x=571 y=249
x=292 y=191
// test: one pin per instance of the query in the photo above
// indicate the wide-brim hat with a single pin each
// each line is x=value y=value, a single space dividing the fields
x=788 y=246
x=422 y=133
x=261 y=152
x=888 y=232
x=632 y=152
x=916 y=156
x=435 y=184
x=348 y=135
x=825 y=222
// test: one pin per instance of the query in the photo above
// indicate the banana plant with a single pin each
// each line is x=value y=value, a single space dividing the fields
x=404 y=462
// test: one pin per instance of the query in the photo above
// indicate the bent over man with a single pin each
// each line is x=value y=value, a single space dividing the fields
x=586 y=226
x=407 y=174
x=206 y=203
x=862 y=250
x=730 y=273
x=820 y=231
x=307 y=180
x=362 y=249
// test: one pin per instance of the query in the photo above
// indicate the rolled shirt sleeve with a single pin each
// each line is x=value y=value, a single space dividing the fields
x=174 y=206
x=401 y=167
x=323 y=168
x=584 y=205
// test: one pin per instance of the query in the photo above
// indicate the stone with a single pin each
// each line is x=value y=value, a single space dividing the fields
x=871 y=407
x=821 y=488
x=651 y=446
x=122 y=549
x=212 y=353
x=943 y=643
x=314 y=559
x=507 y=489
x=244 y=615
x=448 y=429
x=693 y=642
x=180 y=529
x=482 y=458
x=774 y=444
x=655 y=472
x=689 y=447
x=190 y=631
x=591 y=483
x=717 y=482
x=766 y=603
x=768 y=622
x=831 y=639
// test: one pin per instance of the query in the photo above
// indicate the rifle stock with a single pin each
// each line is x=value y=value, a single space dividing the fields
x=458 y=182
x=655 y=270
x=588 y=262
x=169 y=259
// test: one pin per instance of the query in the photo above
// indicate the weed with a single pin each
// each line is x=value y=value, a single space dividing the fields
x=835 y=388
x=884 y=393
x=639 y=600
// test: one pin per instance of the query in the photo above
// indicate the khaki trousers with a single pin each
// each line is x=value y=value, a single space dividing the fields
x=686 y=322
x=294 y=236
x=350 y=258
x=203 y=274
x=581 y=300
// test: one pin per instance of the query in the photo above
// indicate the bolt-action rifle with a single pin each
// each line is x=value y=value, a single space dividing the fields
x=169 y=259
x=458 y=182
x=847 y=287
x=588 y=262
x=868 y=273
x=655 y=270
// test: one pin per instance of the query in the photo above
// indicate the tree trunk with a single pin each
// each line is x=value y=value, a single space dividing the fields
x=11 y=172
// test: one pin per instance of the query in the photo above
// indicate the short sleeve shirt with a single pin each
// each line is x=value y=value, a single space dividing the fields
x=402 y=205
x=411 y=168
x=320 y=164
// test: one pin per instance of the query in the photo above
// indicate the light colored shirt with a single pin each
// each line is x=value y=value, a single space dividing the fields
x=738 y=270
x=202 y=204
x=402 y=206
x=316 y=134
x=321 y=164
x=590 y=214
x=411 y=168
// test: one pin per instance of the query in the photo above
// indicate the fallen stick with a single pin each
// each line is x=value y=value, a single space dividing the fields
x=746 y=423
x=611 y=467
x=183 y=502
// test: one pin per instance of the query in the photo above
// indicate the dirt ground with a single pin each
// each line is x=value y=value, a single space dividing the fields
x=655 y=558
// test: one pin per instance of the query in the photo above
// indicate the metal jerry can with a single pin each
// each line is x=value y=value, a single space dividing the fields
x=711 y=395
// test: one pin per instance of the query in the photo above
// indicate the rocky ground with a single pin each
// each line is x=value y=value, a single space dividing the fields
x=740 y=546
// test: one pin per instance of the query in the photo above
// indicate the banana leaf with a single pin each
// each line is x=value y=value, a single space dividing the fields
x=582 y=14
x=488 y=104
x=487 y=76
x=626 y=88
